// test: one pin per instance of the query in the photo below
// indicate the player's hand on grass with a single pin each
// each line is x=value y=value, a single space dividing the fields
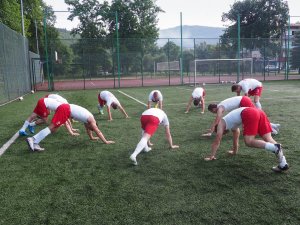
x=75 y=134
x=174 y=146
x=210 y=158
x=232 y=152
x=206 y=135
x=186 y=112
x=110 y=142
x=75 y=130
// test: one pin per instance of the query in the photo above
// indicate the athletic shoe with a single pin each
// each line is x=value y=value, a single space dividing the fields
x=279 y=152
x=101 y=111
x=133 y=159
x=22 y=133
x=277 y=127
x=31 y=129
x=30 y=143
x=274 y=131
x=38 y=148
x=147 y=149
x=279 y=169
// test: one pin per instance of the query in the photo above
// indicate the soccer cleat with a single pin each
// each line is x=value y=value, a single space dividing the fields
x=147 y=149
x=101 y=111
x=38 y=148
x=277 y=127
x=279 y=152
x=279 y=169
x=133 y=159
x=31 y=129
x=23 y=133
x=30 y=143
x=274 y=131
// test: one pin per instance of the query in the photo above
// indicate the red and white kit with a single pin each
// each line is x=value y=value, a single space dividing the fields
x=251 y=87
x=152 y=118
x=106 y=97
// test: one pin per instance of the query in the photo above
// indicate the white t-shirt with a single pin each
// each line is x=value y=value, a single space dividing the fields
x=233 y=119
x=231 y=103
x=109 y=98
x=52 y=104
x=57 y=98
x=249 y=84
x=79 y=113
x=159 y=95
x=161 y=115
x=198 y=92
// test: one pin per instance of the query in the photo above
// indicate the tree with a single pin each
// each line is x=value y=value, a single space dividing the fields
x=171 y=50
x=10 y=15
x=295 y=59
x=258 y=19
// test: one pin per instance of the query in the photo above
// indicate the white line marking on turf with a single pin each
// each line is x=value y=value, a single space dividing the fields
x=7 y=144
x=132 y=98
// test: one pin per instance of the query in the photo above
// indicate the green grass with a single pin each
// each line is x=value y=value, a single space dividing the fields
x=77 y=181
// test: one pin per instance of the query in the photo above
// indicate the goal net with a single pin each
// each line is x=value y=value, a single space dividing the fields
x=166 y=66
x=221 y=67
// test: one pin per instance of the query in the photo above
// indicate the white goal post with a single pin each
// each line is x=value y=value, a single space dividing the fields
x=243 y=60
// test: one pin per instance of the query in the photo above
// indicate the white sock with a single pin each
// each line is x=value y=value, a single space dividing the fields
x=140 y=146
x=41 y=135
x=258 y=105
x=25 y=125
x=271 y=147
x=283 y=162
x=32 y=124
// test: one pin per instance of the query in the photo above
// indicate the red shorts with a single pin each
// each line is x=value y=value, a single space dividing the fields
x=41 y=109
x=149 y=124
x=62 y=114
x=246 y=102
x=255 y=121
x=257 y=91
x=101 y=101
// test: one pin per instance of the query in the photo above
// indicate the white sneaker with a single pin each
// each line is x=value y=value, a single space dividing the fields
x=133 y=159
x=30 y=143
x=147 y=149
x=277 y=127
x=38 y=148
x=274 y=131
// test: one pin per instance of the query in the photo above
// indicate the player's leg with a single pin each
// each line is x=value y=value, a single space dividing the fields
x=140 y=146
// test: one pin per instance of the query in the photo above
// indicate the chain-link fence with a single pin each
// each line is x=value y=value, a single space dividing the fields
x=111 y=63
x=15 y=65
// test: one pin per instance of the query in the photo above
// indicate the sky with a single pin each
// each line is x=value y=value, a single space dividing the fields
x=194 y=12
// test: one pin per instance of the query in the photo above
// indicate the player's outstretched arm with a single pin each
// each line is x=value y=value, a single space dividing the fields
x=235 y=144
x=109 y=113
x=203 y=104
x=123 y=111
x=169 y=138
x=189 y=105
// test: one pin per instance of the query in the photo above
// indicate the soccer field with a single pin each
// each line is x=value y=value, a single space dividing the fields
x=78 y=181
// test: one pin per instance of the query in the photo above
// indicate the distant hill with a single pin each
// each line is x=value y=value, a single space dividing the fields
x=201 y=33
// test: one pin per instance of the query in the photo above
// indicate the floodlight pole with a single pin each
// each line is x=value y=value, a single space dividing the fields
x=22 y=17
x=118 y=48
x=238 y=46
x=181 y=59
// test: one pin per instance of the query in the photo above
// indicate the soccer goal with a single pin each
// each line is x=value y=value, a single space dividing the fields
x=167 y=66
x=224 y=67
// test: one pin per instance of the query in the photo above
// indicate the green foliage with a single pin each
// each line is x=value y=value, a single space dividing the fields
x=258 y=19
x=171 y=50
x=10 y=14
x=78 y=181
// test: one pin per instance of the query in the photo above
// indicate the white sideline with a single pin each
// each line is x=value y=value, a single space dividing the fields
x=8 y=143
x=132 y=98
